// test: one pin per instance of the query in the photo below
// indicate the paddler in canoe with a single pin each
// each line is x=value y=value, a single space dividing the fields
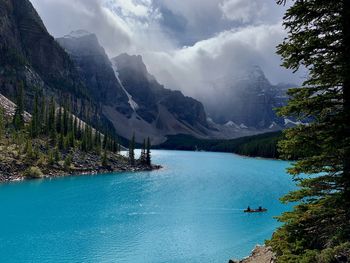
x=259 y=210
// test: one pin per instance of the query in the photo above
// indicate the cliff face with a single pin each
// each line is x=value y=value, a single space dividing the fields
x=31 y=53
x=95 y=69
x=149 y=94
x=131 y=98
x=170 y=112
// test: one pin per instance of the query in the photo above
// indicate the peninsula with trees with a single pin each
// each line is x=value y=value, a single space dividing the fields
x=54 y=142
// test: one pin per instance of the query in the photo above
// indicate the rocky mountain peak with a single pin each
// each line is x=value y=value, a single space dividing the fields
x=131 y=62
x=95 y=68
x=78 y=34
x=82 y=43
x=255 y=72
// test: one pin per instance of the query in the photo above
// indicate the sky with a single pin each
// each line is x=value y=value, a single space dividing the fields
x=186 y=44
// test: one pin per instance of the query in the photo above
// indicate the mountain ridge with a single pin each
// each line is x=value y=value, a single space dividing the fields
x=148 y=109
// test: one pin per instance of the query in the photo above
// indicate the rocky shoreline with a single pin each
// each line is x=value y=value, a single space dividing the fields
x=13 y=165
x=16 y=176
x=260 y=254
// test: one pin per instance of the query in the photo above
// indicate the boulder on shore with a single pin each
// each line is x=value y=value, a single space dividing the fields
x=260 y=254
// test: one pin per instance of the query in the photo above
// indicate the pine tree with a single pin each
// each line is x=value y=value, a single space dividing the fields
x=84 y=143
x=68 y=161
x=75 y=128
x=18 y=119
x=105 y=139
x=59 y=126
x=132 y=150
x=65 y=120
x=34 y=124
x=104 y=158
x=51 y=158
x=2 y=122
x=148 y=152
x=57 y=154
x=51 y=125
x=97 y=141
x=29 y=149
x=115 y=146
x=143 y=153
x=43 y=117
x=61 y=142
x=318 y=39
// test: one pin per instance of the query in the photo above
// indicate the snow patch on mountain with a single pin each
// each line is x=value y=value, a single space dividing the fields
x=132 y=103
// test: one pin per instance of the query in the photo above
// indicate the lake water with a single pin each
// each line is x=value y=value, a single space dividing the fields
x=190 y=211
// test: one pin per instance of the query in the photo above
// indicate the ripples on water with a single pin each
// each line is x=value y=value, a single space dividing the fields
x=190 y=211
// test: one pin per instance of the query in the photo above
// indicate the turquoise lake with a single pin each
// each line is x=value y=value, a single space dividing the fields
x=189 y=211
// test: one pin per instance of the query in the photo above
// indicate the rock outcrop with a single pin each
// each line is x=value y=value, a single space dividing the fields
x=95 y=69
x=260 y=254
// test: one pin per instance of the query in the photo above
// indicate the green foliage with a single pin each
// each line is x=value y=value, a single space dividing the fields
x=33 y=172
x=148 y=152
x=18 y=119
x=318 y=39
x=28 y=149
x=35 y=121
x=51 y=158
x=132 y=150
x=61 y=144
x=52 y=133
x=264 y=145
x=52 y=119
x=2 y=122
x=104 y=160
x=143 y=153
x=68 y=161
x=57 y=155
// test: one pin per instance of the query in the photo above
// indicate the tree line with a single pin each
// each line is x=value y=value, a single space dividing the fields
x=145 y=157
x=318 y=229
x=60 y=125
x=63 y=131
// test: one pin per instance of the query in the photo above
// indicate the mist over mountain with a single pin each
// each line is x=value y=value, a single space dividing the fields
x=247 y=98
x=130 y=96
x=122 y=94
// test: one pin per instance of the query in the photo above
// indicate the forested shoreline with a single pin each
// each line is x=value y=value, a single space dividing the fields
x=52 y=141
x=262 y=145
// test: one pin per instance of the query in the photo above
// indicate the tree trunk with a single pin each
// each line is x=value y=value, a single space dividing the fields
x=346 y=93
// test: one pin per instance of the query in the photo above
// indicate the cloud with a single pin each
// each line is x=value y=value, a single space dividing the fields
x=63 y=16
x=195 y=69
x=187 y=45
x=243 y=10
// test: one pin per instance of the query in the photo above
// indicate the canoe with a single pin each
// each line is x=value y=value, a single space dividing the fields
x=255 y=210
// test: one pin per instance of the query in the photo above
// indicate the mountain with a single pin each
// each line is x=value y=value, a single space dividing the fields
x=151 y=97
x=248 y=101
x=131 y=98
x=157 y=111
x=120 y=95
x=95 y=69
x=30 y=55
